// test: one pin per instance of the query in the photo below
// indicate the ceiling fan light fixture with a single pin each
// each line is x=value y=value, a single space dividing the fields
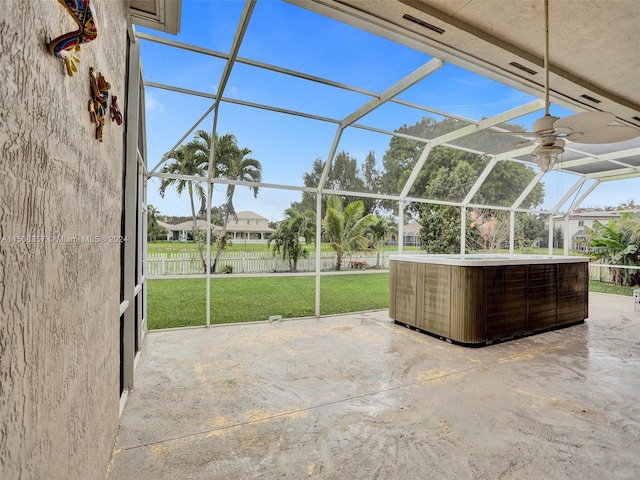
x=546 y=160
x=547 y=155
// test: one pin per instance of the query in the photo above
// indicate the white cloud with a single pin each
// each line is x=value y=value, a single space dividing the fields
x=152 y=104
x=232 y=92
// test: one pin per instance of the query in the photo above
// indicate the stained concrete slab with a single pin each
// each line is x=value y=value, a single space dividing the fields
x=359 y=397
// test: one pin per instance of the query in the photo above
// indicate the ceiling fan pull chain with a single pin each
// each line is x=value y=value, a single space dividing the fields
x=546 y=57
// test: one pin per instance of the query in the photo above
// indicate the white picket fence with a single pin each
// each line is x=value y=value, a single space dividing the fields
x=604 y=272
x=184 y=263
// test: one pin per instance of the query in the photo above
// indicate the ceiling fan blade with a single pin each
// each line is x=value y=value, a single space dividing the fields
x=606 y=134
x=521 y=134
x=505 y=148
x=581 y=122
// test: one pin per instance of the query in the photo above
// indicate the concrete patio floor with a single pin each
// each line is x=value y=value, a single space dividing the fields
x=358 y=397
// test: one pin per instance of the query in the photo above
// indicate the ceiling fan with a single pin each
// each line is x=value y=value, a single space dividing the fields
x=549 y=131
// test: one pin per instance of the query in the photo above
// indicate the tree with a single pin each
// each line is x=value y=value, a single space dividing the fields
x=236 y=166
x=185 y=163
x=442 y=224
x=154 y=230
x=344 y=175
x=371 y=178
x=229 y=162
x=528 y=230
x=628 y=205
x=558 y=237
x=345 y=227
x=440 y=232
x=380 y=230
x=448 y=175
x=217 y=214
x=503 y=186
x=287 y=239
x=618 y=243
x=630 y=223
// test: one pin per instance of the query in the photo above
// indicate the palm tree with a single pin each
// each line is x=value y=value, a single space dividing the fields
x=287 y=238
x=630 y=223
x=154 y=229
x=153 y=214
x=345 y=228
x=229 y=162
x=618 y=243
x=200 y=148
x=187 y=164
x=380 y=230
x=236 y=166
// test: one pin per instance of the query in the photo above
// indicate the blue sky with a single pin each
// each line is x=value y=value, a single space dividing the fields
x=294 y=38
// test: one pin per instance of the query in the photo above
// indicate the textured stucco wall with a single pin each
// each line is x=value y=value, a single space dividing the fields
x=59 y=320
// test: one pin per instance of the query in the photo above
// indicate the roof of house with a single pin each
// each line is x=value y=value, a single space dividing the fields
x=249 y=215
x=580 y=233
x=188 y=225
x=412 y=227
x=249 y=228
x=231 y=227
x=592 y=214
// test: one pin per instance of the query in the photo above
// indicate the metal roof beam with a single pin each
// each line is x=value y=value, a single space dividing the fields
x=566 y=196
x=478 y=183
x=527 y=190
x=601 y=158
x=580 y=199
x=397 y=88
x=468 y=130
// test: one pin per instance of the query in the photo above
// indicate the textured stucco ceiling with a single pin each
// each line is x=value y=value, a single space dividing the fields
x=594 y=44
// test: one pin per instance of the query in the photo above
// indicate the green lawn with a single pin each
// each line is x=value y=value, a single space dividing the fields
x=169 y=247
x=238 y=246
x=603 y=287
x=181 y=303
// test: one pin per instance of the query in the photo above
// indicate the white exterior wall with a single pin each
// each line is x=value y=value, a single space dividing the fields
x=59 y=302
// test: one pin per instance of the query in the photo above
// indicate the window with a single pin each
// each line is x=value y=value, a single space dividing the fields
x=580 y=223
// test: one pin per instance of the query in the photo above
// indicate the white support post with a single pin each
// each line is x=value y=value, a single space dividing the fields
x=130 y=207
x=551 y=234
x=512 y=231
x=318 y=249
x=400 y=226
x=208 y=261
x=140 y=241
x=463 y=230
x=565 y=234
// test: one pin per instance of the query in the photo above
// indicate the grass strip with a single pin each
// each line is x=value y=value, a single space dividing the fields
x=182 y=303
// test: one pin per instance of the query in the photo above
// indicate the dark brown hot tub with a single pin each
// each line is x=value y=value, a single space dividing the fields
x=476 y=300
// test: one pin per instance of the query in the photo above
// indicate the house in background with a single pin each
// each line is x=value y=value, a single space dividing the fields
x=181 y=232
x=250 y=227
x=410 y=235
x=580 y=218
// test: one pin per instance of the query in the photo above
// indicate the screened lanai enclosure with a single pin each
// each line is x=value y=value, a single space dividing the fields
x=408 y=106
